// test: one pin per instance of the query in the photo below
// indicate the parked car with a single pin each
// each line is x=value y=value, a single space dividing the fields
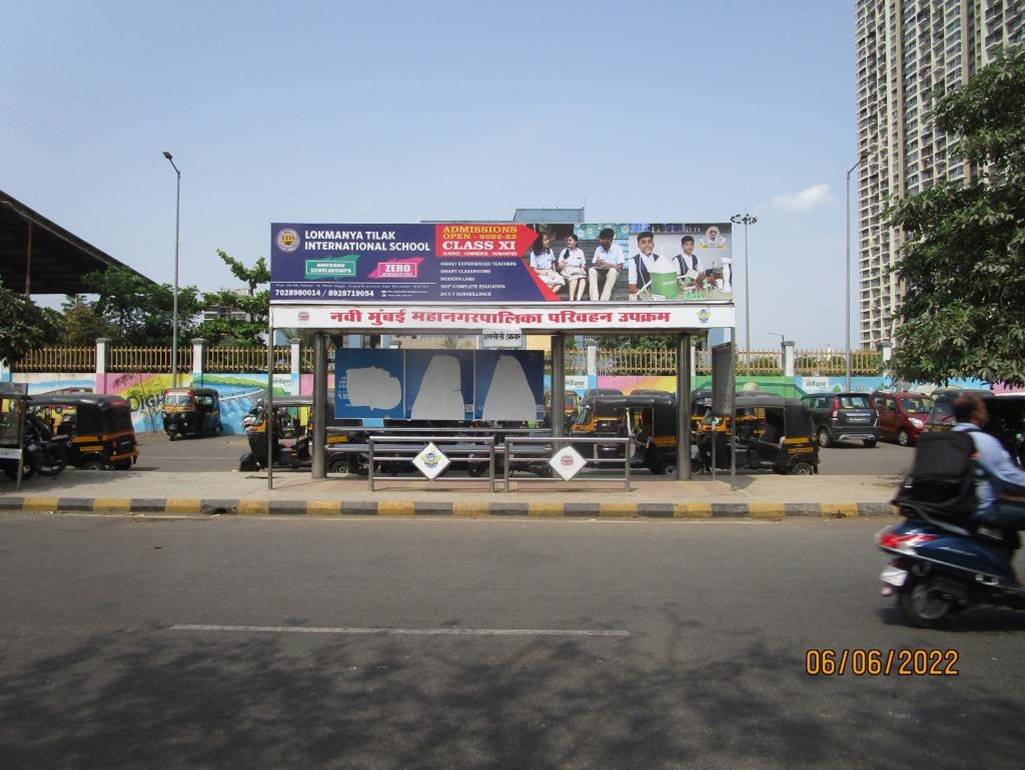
x=1006 y=417
x=902 y=415
x=843 y=417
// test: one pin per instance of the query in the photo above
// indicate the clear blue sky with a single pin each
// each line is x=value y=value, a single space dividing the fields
x=401 y=111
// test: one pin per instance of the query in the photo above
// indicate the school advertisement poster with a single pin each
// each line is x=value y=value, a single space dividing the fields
x=480 y=263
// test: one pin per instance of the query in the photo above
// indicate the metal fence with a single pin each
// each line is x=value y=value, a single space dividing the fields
x=619 y=361
x=78 y=359
x=246 y=359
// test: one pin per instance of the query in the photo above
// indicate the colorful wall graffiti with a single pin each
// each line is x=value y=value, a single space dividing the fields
x=145 y=392
x=239 y=392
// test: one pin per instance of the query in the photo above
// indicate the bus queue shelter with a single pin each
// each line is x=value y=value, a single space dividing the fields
x=324 y=295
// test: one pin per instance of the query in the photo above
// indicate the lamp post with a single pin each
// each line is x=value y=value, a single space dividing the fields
x=847 y=275
x=746 y=220
x=174 y=312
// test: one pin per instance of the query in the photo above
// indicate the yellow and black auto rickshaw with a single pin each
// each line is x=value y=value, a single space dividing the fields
x=649 y=418
x=570 y=407
x=191 y=412
x=99 y=428
x=773 y=433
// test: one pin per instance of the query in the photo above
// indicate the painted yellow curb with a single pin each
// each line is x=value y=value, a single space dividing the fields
x=469 y=510
x=846 y=510
x=692 y=511
x=546 y=509
x=112 y=504
x=252 y=508
x=618 y=510
x=770 y=511
x=323 y=508
x=396 y=508
x=39 y=504
x=182 y=505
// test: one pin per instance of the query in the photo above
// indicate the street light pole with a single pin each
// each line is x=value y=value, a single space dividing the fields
x=847 y=275
x=746 y=220
x=174 y=312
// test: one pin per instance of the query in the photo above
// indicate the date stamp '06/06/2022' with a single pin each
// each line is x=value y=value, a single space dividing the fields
x=876 y=662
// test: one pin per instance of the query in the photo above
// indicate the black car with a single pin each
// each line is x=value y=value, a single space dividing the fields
x=843 y=417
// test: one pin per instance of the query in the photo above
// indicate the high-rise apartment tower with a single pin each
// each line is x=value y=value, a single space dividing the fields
x=909 y=53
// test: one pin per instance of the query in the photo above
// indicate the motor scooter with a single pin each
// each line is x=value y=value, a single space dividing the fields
x=43 y=454
x=940 y=568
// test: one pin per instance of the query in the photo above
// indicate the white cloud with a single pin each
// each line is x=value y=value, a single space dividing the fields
x=806 y=199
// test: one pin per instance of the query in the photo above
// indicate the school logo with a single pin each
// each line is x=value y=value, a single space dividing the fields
x=287 y=240
x=304 y=315
x=704 y=314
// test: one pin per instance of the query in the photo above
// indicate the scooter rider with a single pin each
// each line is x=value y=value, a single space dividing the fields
x=995 y=509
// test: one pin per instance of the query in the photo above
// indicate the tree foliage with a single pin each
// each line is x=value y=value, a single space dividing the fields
x=255 y=306
x=79 y=322
x=962 y=267
x=138 y=312
x=23 y=326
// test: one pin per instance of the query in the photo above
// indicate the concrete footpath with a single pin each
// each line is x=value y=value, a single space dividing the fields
x=756 y=496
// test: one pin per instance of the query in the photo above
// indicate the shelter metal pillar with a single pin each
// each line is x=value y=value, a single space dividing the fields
x=558 y=385
x=28 y=262
x=683 y=388
x=319 y=438
x=269 y=406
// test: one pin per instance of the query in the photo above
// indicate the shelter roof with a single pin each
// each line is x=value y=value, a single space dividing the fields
x=59 y=258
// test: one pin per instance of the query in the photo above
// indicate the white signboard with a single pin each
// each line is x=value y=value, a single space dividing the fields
x=815 y=384
x=430 y=461
x=567 y=462
x=9 y=453
x=501 y=338
x=576 y=382
x=589 y=319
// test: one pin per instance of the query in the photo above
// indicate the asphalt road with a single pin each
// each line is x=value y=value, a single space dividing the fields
x=221 y=453
x=667 y=644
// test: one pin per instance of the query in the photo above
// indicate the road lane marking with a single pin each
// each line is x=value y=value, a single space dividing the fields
x=404 y=631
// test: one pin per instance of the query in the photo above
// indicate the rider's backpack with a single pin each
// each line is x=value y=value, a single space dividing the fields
x=943 y=474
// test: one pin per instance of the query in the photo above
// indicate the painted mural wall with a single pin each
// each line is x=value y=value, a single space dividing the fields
x=145 y=392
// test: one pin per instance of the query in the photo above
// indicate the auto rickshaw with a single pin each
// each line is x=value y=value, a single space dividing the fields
x=773 y=433
x=570 y=407
x=650 y=419
x=191 y=412
x=293 y=419
x=99 y=428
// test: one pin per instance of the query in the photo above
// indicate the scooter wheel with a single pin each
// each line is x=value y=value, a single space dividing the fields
x=922 y=604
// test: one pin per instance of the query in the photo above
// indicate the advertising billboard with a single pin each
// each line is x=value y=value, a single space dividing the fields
x=454 y=385
x=500 y=263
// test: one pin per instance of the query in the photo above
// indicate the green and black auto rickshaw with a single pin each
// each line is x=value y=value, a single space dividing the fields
x=191 y=412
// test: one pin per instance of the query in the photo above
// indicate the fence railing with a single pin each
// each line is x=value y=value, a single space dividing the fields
x=79 y=359
x=246 y=359
x=620 y=361
x=147 y=359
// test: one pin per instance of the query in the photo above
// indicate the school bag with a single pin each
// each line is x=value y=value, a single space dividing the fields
x=943 y=475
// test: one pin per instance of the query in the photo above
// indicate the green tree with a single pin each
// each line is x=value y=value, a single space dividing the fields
x=962 y=267
x=140 y=312
x=79 y=322
x=250 y=308
x=23 y=326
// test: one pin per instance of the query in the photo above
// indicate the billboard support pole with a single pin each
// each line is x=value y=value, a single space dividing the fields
x=269 y=406
x=319 y=470
x=683 y=388
x=558 y=385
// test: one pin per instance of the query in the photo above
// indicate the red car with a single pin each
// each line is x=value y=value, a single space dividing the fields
x=902 y=415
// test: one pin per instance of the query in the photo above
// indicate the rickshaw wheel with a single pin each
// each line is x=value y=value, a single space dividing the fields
x=802 y=469
x=667 y=469
x=93 y=464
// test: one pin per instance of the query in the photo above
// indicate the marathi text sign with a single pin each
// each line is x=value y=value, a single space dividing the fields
x=474 y=319
x=464 y=263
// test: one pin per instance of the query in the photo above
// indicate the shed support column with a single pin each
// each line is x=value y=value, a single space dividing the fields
x=683 y=388
x=319 y=405
x=28 y=262
x=558 y=385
